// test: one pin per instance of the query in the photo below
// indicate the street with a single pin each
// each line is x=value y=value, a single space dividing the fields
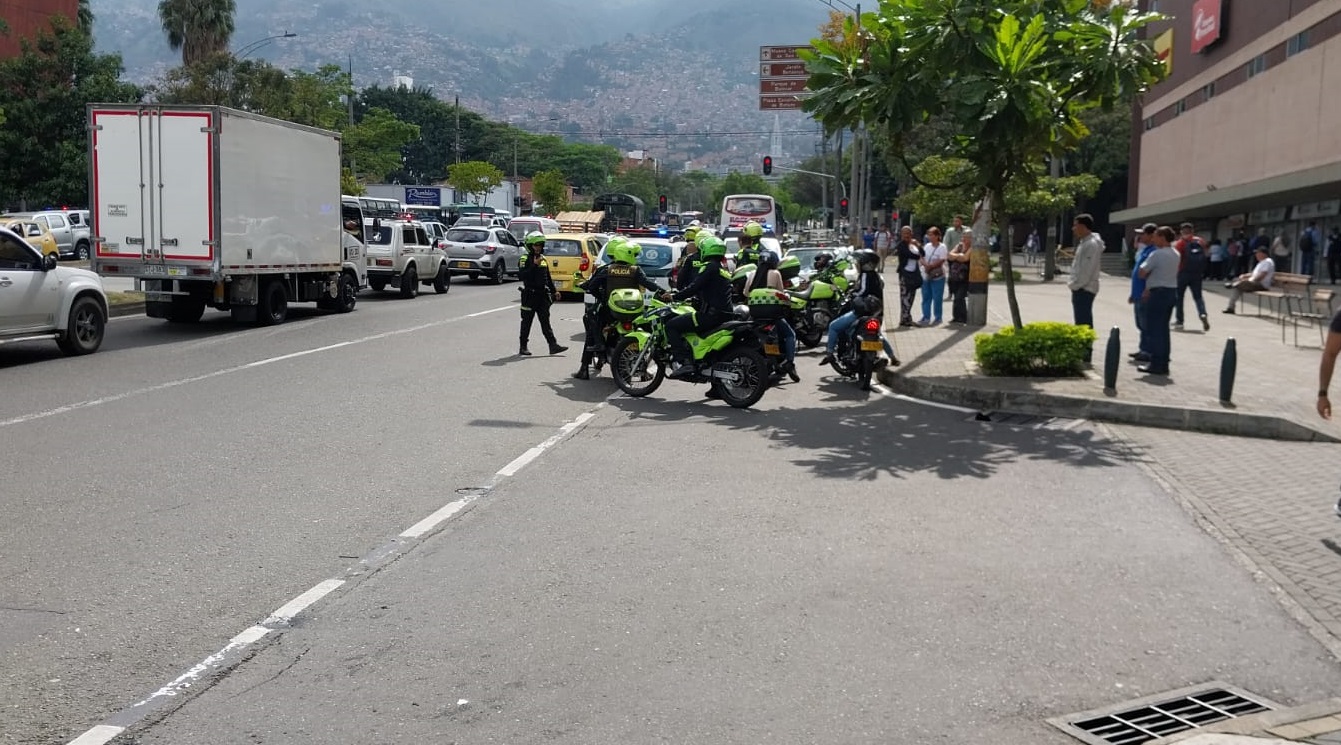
x=826 y=567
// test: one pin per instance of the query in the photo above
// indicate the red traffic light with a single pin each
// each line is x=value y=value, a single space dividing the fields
x=842 y=206
x=661 y=202
x=768 y=165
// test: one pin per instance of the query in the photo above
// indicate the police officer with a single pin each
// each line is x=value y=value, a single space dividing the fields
x=688 y=266
x=712 y=291
x=622 y=273
x=750 y=234
x=537 y=293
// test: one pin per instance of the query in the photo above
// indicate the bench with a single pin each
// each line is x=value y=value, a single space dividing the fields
x=1315 y=308
x=1284 y=287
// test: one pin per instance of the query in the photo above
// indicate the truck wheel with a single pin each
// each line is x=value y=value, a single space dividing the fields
x=82 y=251
x=274 y=305
x=500 y=269
x=349 y=294
x=443 y=282
x=409 y=283
x=186 y=310
x=377 y=284
x=84 y=331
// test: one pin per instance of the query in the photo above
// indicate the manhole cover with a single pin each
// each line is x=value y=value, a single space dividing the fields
x=1161 y=715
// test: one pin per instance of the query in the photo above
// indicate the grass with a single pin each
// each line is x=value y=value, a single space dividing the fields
x=124 y=298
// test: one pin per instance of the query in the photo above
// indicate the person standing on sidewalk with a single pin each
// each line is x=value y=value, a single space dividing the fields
x=1145 y=245
x=883 y=241
x=1191 y=271
x=1308 y=245
x=1160 y=272
x=957 y=272
x=907 y=253
x=1333 y=254
x=934 y=255
x=1084 y=282
x=955 y=233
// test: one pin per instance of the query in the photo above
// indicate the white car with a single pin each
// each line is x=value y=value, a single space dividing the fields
x=657 y=258
x=401 y=254
x=41 y=300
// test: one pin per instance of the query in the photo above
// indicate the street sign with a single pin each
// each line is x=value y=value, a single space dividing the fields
x=781 y=54
x=788 y=102
x=774 y=70
x=783 y=86
x=425 y=196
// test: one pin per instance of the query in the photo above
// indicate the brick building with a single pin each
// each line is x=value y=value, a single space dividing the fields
x=1244 y=132
x=26 y=17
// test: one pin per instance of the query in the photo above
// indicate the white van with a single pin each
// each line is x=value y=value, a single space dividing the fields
x=520 y=226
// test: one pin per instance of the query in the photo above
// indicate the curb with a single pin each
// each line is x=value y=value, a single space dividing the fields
x=1187 y=419
x=126 y=309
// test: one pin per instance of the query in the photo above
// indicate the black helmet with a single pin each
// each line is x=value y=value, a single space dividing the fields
x=768 y=260
x=823 y=260
x=866 y=256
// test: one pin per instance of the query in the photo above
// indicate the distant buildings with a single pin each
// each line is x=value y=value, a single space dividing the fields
x=25 y=18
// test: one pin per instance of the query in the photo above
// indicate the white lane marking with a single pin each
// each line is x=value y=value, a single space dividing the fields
x=432 y=521
x=250 y=636
x=525 y=458
x=286 y=612
x=99 y=735
x=887 y=393
x=230 y=370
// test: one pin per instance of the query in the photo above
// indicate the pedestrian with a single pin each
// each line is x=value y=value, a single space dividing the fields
x=1259 y=279
x=1219 y=254
x=1308 y=244
x=1085 y=266
x=1191 y=271
x=954 y=234
x=537 y=294
x=1248 y=260
x=868 y=237
x=934 y=254
x=1333 y=255
x=1031 y=246
x=884 y=241
x=1160 y=272
x=1145 y=245
x=1280 y=251
x=908 y=252
x=957 y=275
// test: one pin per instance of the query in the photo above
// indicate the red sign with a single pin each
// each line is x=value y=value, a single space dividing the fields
x=780 y=54
x=1206 y=29
x=783 y=70
x=779 y=103
x=782 y=86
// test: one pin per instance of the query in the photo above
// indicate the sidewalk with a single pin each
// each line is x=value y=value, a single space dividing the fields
x=1273 y=395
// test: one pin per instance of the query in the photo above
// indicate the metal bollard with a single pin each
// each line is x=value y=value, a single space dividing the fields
x=1229 y=363
x=1112 y=356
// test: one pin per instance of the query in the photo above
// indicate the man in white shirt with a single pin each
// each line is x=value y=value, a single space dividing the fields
x=1084 y=282
x=1256 y=281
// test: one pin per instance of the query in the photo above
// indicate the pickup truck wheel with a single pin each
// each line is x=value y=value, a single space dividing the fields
x=349 y=294
x=443 y=282
x=82 y=251
x=500 y=270
x=83 y=333
x=409 y=283
x=274 y=305
x=377 y=284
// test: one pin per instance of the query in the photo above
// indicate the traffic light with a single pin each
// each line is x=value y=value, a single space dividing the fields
x=842 y=207
x=661 y=202
x=768 y=165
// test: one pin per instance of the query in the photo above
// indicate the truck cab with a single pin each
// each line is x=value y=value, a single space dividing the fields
x=401 y=254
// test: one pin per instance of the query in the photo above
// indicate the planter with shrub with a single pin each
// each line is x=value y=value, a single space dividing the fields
x=1048 y=349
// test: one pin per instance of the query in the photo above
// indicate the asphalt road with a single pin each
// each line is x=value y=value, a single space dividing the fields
x=828 y=567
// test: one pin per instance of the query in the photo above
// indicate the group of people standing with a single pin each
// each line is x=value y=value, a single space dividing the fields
x=930 y=265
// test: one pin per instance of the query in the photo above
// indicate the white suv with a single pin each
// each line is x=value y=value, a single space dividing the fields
x=401 y=253
x=40 y=300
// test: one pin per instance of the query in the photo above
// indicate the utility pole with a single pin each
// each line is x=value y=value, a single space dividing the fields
x=349 y=98
x=824 y=187
x=838 y=180
x=457 y=106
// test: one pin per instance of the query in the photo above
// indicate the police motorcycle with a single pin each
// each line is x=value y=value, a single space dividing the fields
x=729 y=357
x=859 y=348
x=817 y=302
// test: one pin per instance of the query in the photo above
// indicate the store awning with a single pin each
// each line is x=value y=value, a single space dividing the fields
x=1311 y=185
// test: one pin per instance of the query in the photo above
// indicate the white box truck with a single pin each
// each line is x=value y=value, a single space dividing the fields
x=210 y=207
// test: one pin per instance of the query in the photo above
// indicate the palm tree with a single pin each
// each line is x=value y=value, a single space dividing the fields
x=85 y=17
x=199 y=28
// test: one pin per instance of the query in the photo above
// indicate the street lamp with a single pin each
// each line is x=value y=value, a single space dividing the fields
x=252 y=47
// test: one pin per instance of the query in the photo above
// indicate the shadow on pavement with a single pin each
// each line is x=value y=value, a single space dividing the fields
x=890 y=438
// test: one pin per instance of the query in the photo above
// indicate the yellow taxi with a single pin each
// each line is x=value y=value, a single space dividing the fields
x=35 y=233
x=571 y=253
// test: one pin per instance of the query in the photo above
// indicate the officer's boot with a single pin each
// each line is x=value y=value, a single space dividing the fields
x=524 y=352
x=582 y=372
x=556 y=348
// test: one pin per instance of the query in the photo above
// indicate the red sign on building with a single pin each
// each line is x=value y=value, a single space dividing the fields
x=1206 y=25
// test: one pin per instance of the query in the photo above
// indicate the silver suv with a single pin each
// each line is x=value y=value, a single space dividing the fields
x=70 y=228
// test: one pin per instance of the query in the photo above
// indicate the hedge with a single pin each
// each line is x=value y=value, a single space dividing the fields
x=1045 y=348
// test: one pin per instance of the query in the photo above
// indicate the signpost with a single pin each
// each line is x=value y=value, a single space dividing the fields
x=782 y=78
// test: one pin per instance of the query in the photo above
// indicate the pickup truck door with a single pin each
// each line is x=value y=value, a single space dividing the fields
x=60 y=230
x=29 y=297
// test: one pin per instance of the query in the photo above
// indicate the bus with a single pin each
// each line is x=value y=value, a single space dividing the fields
x=738 y=209
x=622 y=212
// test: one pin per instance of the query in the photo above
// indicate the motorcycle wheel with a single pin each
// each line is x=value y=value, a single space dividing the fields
x=640 y=382
x=867 y=365
x=810 y=336
x=843 y=362
x=754 y=370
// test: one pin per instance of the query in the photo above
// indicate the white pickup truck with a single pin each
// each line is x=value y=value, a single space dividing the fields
x=41 y=300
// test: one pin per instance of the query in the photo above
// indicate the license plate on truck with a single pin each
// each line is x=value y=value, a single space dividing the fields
x=871 y=346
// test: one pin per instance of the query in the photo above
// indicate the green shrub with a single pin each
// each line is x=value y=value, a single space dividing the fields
x=1045 y=349
x=999 y=277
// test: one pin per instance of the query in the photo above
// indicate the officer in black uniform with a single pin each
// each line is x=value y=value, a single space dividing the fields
x=690 y=263
x=712 y=290
x=537 y=292
x=622 y=273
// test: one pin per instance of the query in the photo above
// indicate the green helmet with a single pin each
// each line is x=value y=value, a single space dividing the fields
x=752 y=229
x=621 y=251
x=534 y=237
x=703 y=237
x=626 y=303
x=712 y=247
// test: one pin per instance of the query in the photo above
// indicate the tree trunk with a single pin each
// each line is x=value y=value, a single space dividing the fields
x=1007 y=254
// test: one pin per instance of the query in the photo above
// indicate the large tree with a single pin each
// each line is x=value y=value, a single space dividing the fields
x=199 y=28
x=1010 y=78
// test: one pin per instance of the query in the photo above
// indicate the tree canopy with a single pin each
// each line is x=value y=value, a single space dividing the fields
x=475 y=178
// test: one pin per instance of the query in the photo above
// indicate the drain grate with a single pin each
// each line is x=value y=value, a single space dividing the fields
x=1151 y=718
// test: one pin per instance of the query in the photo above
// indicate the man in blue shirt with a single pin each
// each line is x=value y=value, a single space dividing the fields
x=1145 y=245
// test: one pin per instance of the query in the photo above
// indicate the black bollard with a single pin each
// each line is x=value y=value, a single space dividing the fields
x=1111 y=359
x=1229 y=364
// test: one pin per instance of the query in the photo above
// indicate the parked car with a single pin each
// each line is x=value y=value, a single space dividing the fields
x=70 y=228
x=401 y=254
x=35 y=233
x=657 y=258
x=40 y=299
x=483 y=250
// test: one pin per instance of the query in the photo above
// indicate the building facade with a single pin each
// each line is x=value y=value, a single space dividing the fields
x=25 y=18
x=1245 y=132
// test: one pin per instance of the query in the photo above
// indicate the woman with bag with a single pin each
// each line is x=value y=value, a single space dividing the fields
x=958 y=273
x=934 y=256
